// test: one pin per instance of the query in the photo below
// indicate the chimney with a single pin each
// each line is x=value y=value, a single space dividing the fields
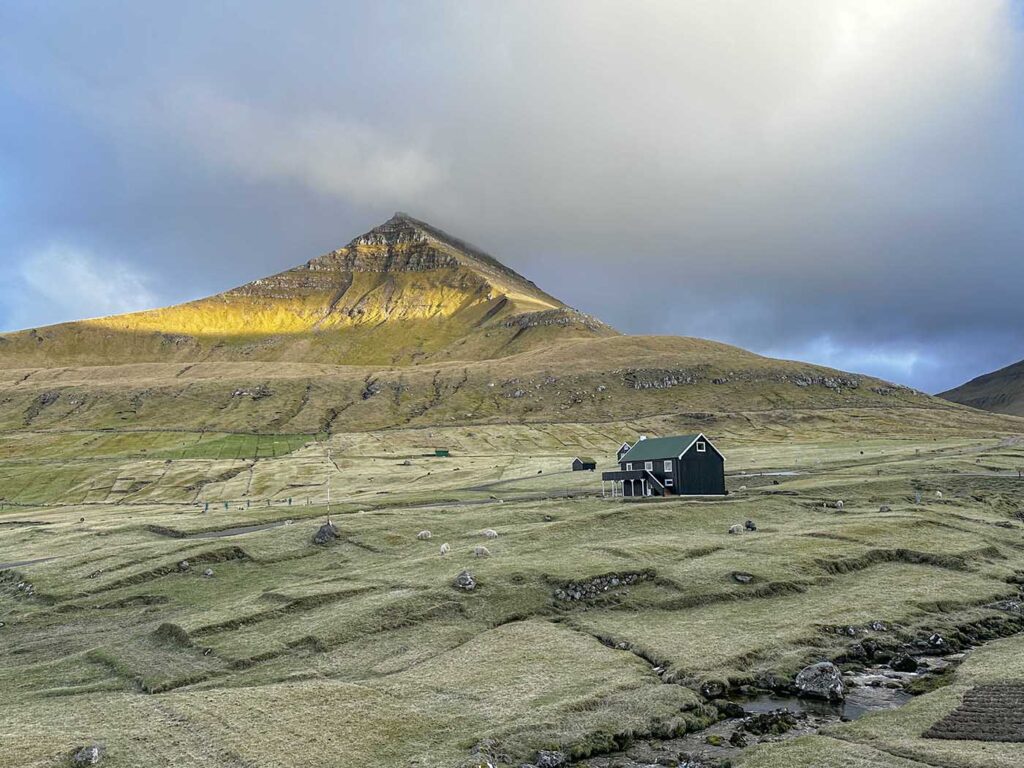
x=643 y=437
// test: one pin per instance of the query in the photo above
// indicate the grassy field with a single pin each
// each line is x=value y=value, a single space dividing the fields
x=362 y=652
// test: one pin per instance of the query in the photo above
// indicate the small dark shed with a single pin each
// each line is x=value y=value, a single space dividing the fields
x=442 y=452
x=685 y=465
x=581 y=463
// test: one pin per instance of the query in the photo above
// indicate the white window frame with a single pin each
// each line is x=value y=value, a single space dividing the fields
x=702 y=447
x=668 y=482
x=629 y=466
x=649 y=466
x=668 y=465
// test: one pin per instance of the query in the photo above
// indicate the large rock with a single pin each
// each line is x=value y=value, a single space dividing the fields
x=549 y=759
x=821 y=681
x=326 y=534
x=465 y=581
x=87 y=755
x=904 y=663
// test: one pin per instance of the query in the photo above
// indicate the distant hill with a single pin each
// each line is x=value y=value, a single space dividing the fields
x=1001 y=391
x=404 y=292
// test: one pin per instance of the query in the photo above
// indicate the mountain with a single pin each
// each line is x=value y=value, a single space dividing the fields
x=1001 y=391
x=409 y=326
x=404 y=292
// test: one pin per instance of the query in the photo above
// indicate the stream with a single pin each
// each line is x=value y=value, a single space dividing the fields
x=774 y=717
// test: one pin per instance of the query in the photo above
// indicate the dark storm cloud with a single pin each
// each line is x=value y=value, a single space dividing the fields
x=832 y=180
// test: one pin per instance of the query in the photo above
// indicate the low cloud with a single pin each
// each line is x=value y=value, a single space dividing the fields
x=63 y=282
x=326 y=153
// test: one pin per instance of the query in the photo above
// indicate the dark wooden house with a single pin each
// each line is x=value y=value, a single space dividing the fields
x=623 y=450
x=685 y=465
x=581 y=463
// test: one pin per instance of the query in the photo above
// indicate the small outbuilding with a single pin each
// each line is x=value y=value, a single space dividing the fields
x=581 y=463
x=442 y=452
x=684 y=465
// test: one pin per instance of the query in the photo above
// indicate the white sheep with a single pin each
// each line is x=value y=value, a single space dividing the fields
x=482 y=552
x=423 y=535
x=736 y=528
x=839 y=504
x=490 y=533
x=445 y=549
x=938 y=494
x=743 y=487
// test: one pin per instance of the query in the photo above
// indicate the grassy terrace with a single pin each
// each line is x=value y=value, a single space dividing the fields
x=361 y=652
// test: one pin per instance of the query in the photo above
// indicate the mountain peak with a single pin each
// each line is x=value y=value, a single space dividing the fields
x=404 y=291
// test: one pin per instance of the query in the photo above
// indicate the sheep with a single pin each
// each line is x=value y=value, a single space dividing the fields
x=938 y=494
x=445 y=549
x=839 y=504
x=736 y=528
x=743 y=487
x=482 y=552
x=489 y=534
x=423 y=535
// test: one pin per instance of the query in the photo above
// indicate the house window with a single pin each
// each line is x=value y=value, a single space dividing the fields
x=702 y=447
x=668 y=465
x=649 y=465
x=668 y=481
x=629 y=465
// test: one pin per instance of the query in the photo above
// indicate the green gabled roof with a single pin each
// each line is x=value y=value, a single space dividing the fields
x=659 y=448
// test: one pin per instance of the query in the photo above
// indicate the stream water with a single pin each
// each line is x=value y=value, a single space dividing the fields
x=874 y=689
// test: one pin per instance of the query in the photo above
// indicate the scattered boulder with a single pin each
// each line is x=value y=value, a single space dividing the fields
x=208 y=573
x=465 y=581
x=775 y=482
x=90 y=754
x=884 y=509
x=549 y=759
x=770 y=723
x=736 y=528
x=743 y=487
x=423 y=535
x=1010 y=606
x=482 y=552
x=938 y=494
x=489 y=534
x=184 y=566
x=741 y=577
x=750 y=525
x=548 y=518
x=904 y=663
x=821 y=681
x=878 y=626
x=327 y=533
x=445 y=549
x=738 y=739
x=712 y=689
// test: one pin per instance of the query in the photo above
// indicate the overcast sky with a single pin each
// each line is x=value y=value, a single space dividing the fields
x=839 y=181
